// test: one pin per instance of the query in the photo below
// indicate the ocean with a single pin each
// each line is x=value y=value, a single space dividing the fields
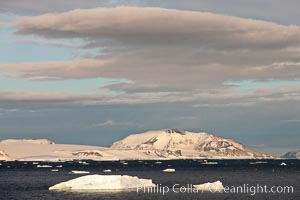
x=24 y=180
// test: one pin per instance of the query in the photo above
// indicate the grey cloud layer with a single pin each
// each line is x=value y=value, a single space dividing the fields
x=152 y=46
x=162 y=51
x=272 y=10
x=157 y=25
x=225 y=97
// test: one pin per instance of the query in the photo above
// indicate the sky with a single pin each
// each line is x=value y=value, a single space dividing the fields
x=95 y=71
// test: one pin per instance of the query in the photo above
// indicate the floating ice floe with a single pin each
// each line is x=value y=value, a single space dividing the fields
x=44 y=166
x=169 y=170
x=103 y=183
x=79 y=172
x=211 y=187
x=59 y=166
x=209 y=163
x=258 y=162
x=83 y=163
x=107 y=170
x=54 y=170
x=283 y=164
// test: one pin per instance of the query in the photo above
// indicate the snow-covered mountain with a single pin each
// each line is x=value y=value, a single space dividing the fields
x=292 y=155
x=4 y=156
x=152 y=145
x=45 y=150
x=175 y=143
x=30 y=141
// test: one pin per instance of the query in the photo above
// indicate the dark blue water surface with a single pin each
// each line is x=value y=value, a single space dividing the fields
x=23 y=180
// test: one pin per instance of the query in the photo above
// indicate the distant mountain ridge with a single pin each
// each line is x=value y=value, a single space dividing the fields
x=292 y=155
x=181 y=143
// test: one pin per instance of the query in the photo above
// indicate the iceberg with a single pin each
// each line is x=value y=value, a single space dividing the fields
x=44 y=166
x=209 y=163
x=216 y=186
x=107 y=170
x=283 y=164
x=79 y=172
x=103 y=182
x=169 y=170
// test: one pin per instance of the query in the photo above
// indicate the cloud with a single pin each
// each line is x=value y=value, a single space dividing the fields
x=10 y=99
x=167 y=55
x=291 y=121
x=161 y=43
x=108 y=123
x=33 y=7
x=157 y=25
x=226 y=97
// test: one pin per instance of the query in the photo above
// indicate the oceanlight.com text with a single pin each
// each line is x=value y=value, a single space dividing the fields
x=237 y=189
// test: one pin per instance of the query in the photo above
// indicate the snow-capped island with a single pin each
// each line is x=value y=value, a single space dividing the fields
x=151 y=145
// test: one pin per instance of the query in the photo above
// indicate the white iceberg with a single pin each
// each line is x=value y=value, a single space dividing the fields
x=216 y=186
x=44 y=166
x=54 y=170
x=83 y=163
x=169 y=170
x=283 y=164
x=79 y=172
x=107 y=170
x=104 y=183
x=209 y=163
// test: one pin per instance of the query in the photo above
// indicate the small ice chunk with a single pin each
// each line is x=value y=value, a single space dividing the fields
x=107 y=170
x=216 y=186
x=169 y=170
x=283 y=164
x=209 y=163
x=104 y=183
x=83 y=163
x=79 y=172
x=43 y=166
x=258 y=162
x=59 y=166
x=54 y=170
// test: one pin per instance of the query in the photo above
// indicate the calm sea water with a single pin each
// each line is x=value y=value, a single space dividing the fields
x=19 y=180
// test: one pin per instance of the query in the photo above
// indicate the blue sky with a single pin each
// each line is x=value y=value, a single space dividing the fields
x=93 y=76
